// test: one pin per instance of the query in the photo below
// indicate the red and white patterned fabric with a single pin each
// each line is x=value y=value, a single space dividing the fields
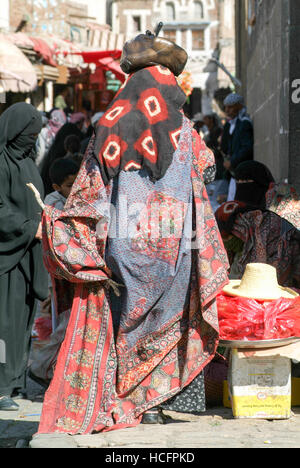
x=284 y=200
x=104 y=382
x=142 y=126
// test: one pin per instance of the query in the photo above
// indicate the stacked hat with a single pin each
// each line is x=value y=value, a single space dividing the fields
x=259 y=282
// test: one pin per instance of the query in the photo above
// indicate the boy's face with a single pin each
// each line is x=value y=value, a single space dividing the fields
x=65 y=188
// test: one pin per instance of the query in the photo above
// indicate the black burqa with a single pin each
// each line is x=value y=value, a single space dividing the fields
x=253 y=180
x=23 y=277
x=58 y=151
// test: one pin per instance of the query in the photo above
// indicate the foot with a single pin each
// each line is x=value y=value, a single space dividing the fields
x=155 y=416
x=7 y=404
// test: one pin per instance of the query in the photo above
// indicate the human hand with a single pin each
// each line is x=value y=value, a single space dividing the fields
x=39 y=234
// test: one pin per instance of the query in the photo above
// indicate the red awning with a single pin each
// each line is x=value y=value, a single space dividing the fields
x=105 y=59
x=93 y=56
x=43 y=49
x=111 y=65
x=98 y=78
x=17 y=74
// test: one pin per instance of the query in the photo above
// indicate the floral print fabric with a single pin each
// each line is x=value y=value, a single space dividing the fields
x=106 y=377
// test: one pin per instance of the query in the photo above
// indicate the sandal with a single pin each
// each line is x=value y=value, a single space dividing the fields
x=7 y=404
x=155 y=416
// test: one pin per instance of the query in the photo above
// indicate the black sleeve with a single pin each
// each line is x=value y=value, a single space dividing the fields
x=16 y=231
x=245 y=150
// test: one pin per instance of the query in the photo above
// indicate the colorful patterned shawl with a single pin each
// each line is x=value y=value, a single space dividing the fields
x=104 y=382
x=284 y=200
x=142 y=126
x=268 y=238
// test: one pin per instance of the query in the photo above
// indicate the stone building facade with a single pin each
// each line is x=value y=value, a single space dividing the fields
x=132 y=16
x=62 y=18
x=78 y=21
x=268 y=53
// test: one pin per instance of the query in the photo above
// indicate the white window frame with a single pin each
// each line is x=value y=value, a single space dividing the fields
x=170 y=2
x=203 y=8
x=129 y=19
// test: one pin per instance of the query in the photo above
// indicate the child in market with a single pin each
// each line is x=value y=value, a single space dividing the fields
x=63 y=173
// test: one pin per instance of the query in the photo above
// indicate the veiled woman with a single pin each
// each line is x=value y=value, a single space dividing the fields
x=253 y=233
x=23 y=277
x=139 y=241
x=46 y=137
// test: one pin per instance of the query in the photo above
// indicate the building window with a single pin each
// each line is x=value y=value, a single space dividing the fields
x=170 y=34
x=184 y=40
x=136 y=24
x=198 y=10
x=170 y=11
x=198 y=39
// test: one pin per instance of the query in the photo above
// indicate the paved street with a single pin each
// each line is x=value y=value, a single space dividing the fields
x=214 y=429
x=149 y=152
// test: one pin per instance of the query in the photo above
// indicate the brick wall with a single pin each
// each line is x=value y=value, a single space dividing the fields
x=49 y=16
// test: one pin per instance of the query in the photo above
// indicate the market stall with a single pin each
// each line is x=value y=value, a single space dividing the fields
x=16 y=71
x=40 y=53
x=91 y=81
x=259 y=323
x=52 y=64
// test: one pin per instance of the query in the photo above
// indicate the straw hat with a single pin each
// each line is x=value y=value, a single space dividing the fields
x=259 y=282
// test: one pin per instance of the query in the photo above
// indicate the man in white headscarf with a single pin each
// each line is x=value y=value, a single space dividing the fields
x=237 y=141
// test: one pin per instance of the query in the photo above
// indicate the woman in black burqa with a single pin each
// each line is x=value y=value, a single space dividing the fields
x=23 y=278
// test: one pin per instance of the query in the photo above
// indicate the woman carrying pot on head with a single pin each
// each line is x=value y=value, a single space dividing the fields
x=143 y=323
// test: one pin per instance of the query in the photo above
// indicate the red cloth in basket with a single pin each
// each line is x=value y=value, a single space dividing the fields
x=249 y=319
